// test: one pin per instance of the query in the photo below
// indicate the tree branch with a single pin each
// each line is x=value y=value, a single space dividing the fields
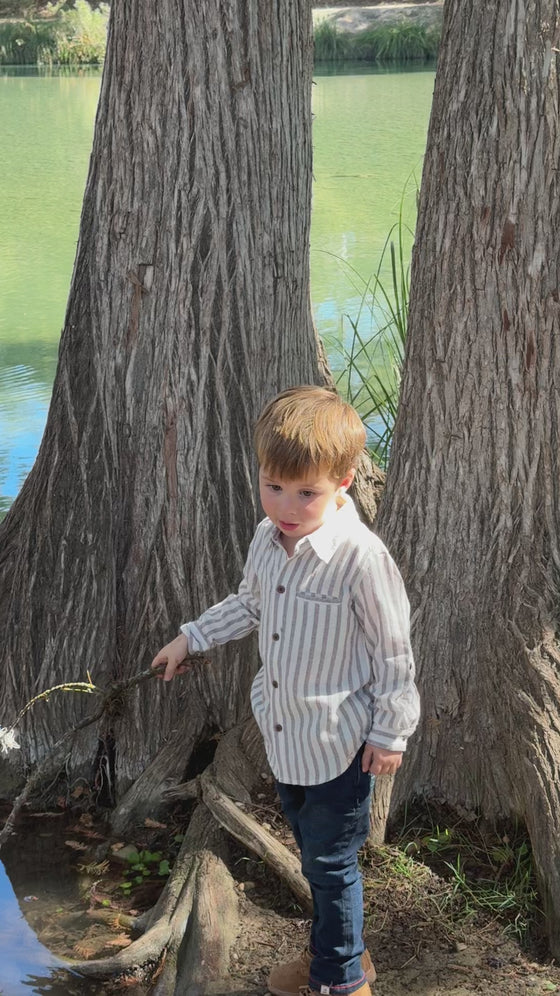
x=114 y=691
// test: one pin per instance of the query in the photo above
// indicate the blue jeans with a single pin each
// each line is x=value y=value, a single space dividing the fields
x=330 y=823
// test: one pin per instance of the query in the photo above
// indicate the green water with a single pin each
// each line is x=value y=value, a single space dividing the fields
x=369 y=136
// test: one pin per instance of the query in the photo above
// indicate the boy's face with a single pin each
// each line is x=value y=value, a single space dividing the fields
x=301 y=506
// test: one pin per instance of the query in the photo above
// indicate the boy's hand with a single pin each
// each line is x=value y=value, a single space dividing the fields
x=380 y=762
x=172 y=655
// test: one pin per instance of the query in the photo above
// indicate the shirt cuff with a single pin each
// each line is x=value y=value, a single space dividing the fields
x=386 y=741
x=195 y=640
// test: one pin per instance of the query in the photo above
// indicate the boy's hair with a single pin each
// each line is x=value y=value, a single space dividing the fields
x=308 y=428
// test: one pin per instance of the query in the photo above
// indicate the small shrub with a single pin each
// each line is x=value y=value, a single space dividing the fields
x=81 y=34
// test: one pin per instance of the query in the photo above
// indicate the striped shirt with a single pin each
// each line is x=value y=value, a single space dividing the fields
x=334 y=640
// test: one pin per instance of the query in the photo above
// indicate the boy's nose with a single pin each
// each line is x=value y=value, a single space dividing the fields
x=288 y=512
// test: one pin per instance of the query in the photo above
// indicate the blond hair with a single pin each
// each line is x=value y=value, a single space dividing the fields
x=307 y=428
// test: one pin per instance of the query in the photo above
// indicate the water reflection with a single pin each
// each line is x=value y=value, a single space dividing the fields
x=26 y=965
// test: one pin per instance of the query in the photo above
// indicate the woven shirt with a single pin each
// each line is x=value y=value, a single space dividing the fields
x=334 y=640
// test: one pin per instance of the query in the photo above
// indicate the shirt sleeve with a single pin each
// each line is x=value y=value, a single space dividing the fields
x=383 y=610
x=231 y=619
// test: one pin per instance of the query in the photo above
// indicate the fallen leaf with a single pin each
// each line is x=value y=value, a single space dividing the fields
x=75 y=845
x=154 y=825
x=84 y=950
x=122 y=941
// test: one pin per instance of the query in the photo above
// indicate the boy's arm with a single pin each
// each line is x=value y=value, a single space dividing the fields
x=383 y=610
x=234 y=617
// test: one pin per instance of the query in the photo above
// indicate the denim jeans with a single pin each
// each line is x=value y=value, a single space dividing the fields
x=330 y=823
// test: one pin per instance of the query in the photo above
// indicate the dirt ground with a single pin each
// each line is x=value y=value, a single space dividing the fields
x=423 y=940
x=416 y=931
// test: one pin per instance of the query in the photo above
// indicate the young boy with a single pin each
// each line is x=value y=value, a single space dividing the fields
x=335 y=698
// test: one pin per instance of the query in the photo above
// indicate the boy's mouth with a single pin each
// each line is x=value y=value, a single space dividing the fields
x=288 y=525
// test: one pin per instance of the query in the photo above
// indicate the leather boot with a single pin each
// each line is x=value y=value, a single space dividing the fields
x=289 y=978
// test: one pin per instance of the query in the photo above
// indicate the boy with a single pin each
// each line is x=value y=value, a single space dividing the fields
x=335 y=698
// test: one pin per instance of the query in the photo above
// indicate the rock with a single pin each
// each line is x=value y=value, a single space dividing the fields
x=124 y=853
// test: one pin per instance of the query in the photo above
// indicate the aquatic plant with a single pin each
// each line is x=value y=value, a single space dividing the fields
x=26 y=43
x=369 y=376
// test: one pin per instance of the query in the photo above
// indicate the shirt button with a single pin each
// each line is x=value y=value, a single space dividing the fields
x=276 y=636
x=280 y=589
x=275 y=684
x=278 y=728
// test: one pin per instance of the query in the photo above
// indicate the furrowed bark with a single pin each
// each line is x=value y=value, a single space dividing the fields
x=471 y=509
x=189 y=307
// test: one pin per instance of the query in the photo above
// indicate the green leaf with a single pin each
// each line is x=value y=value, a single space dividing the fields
x=164 y=867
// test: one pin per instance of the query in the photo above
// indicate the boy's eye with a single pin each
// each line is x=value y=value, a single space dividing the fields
x=308 y=494
x=275 y=487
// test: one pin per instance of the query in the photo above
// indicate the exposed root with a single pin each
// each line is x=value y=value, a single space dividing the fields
x=249 y=832
x=186 y=938
x=191 y=928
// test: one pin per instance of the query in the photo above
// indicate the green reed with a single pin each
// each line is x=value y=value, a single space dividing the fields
x=381 y=43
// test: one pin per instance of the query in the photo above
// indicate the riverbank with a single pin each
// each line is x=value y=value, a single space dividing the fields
x=383 y=32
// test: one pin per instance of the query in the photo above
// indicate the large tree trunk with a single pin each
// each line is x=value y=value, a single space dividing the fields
x=189 y=307
x=472 y=502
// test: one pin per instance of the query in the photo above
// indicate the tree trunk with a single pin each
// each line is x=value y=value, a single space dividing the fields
x=472 y=503
x=189 y=306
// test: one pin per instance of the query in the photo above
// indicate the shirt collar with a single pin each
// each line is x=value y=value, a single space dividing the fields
x=327 y=537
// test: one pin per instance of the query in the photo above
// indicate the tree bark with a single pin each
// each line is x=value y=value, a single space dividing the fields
x=189 y=306
x=472 y=502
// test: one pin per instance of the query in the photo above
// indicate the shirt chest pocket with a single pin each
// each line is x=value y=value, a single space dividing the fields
x=318 y=597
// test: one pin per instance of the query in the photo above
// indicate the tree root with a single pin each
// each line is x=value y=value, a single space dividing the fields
x=186 y=938
x=249 y=832
x=190 y=930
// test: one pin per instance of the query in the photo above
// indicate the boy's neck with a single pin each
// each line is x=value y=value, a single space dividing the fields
x=289 y=544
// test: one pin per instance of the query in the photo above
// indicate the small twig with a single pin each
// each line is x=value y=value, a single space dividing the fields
x=69 y=686
x=115 y=689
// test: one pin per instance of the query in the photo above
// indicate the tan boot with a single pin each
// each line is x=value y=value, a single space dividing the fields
x=289 y=978
x=362 y=991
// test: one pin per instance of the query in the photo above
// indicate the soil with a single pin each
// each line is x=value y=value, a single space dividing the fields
x=423 y=940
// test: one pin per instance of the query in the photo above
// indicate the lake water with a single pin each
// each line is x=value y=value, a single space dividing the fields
x=369 y=136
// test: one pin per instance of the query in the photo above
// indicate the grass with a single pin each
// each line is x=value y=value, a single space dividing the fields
x=489 y=871
x=383 y=43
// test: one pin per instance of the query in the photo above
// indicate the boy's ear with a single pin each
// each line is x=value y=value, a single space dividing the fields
x=347 y=479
